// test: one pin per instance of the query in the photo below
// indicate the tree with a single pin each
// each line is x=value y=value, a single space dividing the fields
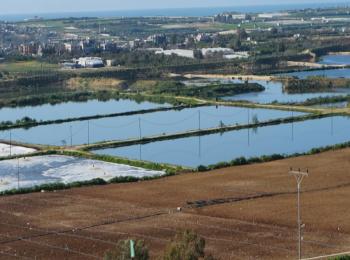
x=255 y=119
x=122 y=251
x=186 y=246
x=242 y=34
x=198 y=54
x=345 y=257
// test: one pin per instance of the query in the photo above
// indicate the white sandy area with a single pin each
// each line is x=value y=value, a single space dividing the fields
x=15 y=150
x=233 y=76
x=63 y=169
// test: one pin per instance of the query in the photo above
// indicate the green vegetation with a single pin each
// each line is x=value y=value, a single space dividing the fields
x=122 y=251
x=323 y=100
x=345 y=257
x=62 y=186
x=245 y=161
x=314 y=84
x=31 y=66
x=186 y=245
x=25 y=121
x=210 y=91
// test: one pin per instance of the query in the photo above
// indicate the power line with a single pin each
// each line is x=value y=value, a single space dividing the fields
x=199 y=120
x=327 y=256
x=140 y=129
x=49 y=246
x=172 y=123
x=299 y=176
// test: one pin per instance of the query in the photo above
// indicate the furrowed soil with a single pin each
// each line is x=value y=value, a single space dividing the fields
x=246 y=212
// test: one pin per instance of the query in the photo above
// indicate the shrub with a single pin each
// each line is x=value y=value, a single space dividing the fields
x=345 y=257
x=186 y=246
x=122 y=251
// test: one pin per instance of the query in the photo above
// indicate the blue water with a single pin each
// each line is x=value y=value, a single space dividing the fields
x=126 y=127
x=335 y=59
x=274 y=92
x=193 y=12
x=211 y=149
x=74 y=109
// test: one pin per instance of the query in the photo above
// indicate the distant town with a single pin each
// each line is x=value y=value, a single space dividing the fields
x=89 y=42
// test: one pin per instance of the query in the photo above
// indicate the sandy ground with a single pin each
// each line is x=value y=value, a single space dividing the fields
x=6 y=150
x=63 y=169
x=246 y=212
x=233 y=76
x=313 y=65
x=339 y=53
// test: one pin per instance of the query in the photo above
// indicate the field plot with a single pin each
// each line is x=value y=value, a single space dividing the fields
x=75 y=109
x=8 y=150
x=244 y=212
x=149 y=124
x=32 y=171
x=299 y=137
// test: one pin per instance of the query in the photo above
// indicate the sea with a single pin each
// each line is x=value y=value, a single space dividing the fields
x=173 y=12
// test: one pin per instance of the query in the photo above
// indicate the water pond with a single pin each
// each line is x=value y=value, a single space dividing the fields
x=211 y=149
x=134 y=126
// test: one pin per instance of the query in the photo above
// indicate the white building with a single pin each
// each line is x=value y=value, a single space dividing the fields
x=210 y=51
x=237 y=55
x=91 y=62
x=178 y=52
x=272 y=15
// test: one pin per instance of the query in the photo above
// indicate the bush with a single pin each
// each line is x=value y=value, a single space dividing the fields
x=345 y=257
x=122 y=251
x=186 y=246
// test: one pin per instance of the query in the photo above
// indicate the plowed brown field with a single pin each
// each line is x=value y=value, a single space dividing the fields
x=246 y=212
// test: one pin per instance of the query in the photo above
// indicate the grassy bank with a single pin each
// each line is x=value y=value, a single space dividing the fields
x=314 y=84
x=268 y=158
x=29 y=123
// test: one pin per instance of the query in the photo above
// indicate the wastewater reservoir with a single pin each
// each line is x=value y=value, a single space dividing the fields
x=143 y=125
x=286 y=139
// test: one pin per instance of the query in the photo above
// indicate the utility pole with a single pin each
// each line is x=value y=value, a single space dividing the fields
x=71 y=136
x=332 y=121
x=248 y=115
x=17 y=173
x=88 y=122
x=199 y=120
x=10 y=143
x=292 y=125
x=140 y=129
x=299 y=176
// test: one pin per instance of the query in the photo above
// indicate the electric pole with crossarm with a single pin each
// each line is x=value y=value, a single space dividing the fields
x=299 y=176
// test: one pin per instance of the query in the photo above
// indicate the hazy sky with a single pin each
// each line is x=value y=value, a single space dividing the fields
x=43 y=6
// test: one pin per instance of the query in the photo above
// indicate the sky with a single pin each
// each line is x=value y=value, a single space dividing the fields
x=49 y=6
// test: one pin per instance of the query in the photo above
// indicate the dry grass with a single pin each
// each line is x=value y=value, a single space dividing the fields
x=93 y=83
x=252 y=228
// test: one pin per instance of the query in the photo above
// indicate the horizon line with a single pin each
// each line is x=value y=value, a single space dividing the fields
x=173 y=8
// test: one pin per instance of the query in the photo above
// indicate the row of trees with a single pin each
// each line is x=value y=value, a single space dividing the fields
x=185 y=246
